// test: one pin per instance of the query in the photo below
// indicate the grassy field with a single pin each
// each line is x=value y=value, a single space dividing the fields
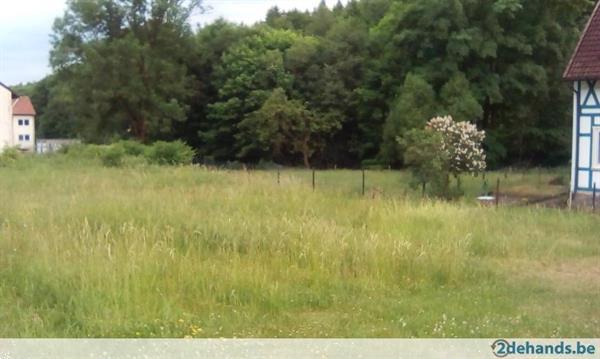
x=87 y=251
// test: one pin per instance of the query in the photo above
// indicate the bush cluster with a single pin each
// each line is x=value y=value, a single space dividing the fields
x=9 y=156
x=443 y=149
x=125 y=153
x=170 y=153
x=114 y=156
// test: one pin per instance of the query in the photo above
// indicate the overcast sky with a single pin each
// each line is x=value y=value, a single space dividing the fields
x=25 y=27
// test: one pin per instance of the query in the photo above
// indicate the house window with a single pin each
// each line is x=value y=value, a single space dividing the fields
x=26 y=122
x=20 y=122
x=27 y=138
x=21 y=137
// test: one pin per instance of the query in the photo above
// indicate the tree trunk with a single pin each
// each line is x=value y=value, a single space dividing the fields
x=306 y=154
x=306 y=159
x=446 y=186
x=139 y=129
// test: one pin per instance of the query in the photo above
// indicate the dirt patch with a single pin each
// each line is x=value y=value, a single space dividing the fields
x=582 y=274
x=554 y=201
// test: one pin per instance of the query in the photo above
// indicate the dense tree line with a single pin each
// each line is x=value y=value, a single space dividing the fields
x=335 y=86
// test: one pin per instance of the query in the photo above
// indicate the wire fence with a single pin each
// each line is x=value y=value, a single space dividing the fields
x=504 y=188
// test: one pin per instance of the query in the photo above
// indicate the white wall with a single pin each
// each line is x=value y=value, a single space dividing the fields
x=5 y=118
x=586 y=164
x=24 y=130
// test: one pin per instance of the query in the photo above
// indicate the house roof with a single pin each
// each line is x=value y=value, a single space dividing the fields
x=14 y=95
x=23 y=106
x=585 y=63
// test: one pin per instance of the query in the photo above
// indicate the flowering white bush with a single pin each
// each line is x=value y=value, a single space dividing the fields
x=443 y=149
x=462 y=145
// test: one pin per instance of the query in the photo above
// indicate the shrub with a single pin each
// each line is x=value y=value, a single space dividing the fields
x=170 y=153
x=9 y=156
x=422 y=153
x=84 y=151
x=113 y=156
x=444 y=148
x=462 y=143
x=132 y=148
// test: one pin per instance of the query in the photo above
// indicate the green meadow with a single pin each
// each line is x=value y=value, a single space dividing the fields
x=173 y=252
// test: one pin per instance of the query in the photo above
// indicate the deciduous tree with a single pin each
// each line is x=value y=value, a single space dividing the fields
x=125 y=64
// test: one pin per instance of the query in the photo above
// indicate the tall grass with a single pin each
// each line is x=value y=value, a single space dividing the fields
x=173 y=252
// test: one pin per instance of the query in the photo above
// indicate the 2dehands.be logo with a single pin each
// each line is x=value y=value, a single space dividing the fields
x=503 y=348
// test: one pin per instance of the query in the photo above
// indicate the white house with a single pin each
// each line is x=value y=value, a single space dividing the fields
x=17 y=120
x=584 y=72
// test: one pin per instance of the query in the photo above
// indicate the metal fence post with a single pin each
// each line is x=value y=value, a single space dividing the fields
x=363 y=182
